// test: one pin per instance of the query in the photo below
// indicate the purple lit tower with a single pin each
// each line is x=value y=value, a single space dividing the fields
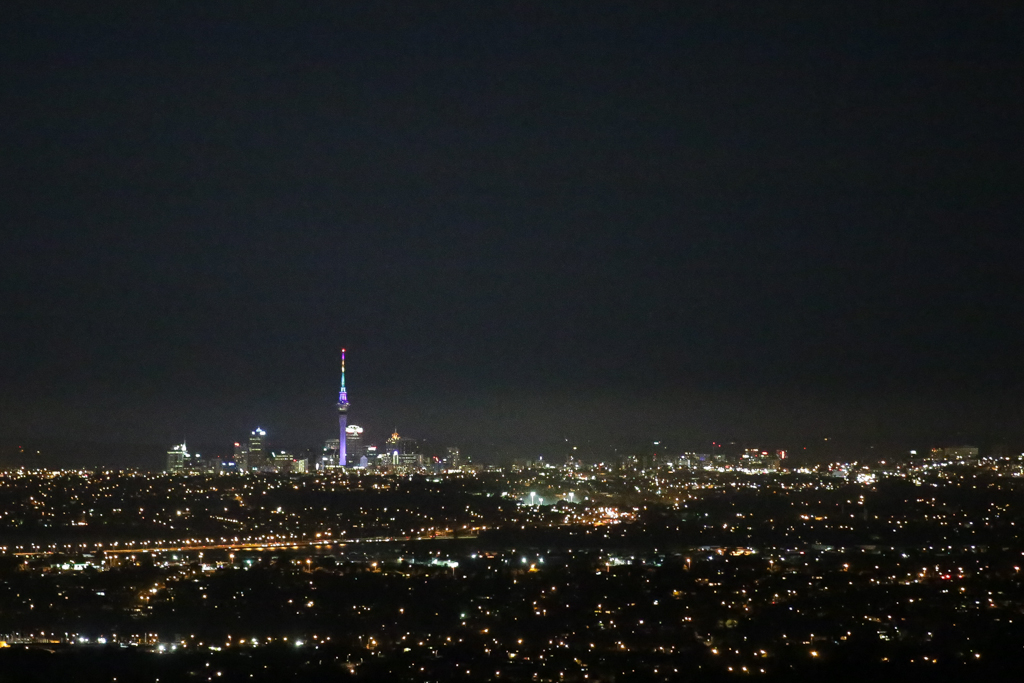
x=342 y=414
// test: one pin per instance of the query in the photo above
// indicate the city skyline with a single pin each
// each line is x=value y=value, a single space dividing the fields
x=586 y=447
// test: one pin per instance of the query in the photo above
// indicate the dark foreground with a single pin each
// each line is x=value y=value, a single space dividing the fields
x=33 y=665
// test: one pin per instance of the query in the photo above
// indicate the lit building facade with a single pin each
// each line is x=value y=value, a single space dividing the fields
x=178 y=459
x=258 y=454
x=454 y=461
x=329 y=456
x=354 y=448
x=241 y=457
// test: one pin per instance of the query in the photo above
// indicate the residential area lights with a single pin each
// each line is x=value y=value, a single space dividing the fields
x=563 y=572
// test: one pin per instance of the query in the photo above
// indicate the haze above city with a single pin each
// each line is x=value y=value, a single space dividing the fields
x=527 y=223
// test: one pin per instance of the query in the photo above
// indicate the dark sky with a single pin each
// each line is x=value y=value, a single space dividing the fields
x=524 y=220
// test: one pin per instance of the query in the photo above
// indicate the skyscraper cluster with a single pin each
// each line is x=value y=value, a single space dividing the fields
x=398 y=454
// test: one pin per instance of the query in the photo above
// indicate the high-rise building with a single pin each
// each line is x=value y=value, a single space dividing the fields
x=285 y=463
x=376 y=458
x=241 y=457
x=342 y=415
x=329 y=456
x=354 y=449
x=259 y=457
x=957 y=455
x=178 y=459
x=454 y=461
x=403 y=452
x=392 y=446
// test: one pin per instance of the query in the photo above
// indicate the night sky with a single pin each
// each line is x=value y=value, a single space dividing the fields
x=525 y=221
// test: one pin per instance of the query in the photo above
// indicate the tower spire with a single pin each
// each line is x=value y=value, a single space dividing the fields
x=343 y=394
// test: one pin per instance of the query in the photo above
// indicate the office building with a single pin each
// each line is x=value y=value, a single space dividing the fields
x=354 y=448
x=178 y=459
x=453 y=459
x=329 y=455
x=259 y=457
x=241 y=457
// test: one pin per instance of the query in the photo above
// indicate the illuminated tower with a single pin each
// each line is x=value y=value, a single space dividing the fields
x=342 y=414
